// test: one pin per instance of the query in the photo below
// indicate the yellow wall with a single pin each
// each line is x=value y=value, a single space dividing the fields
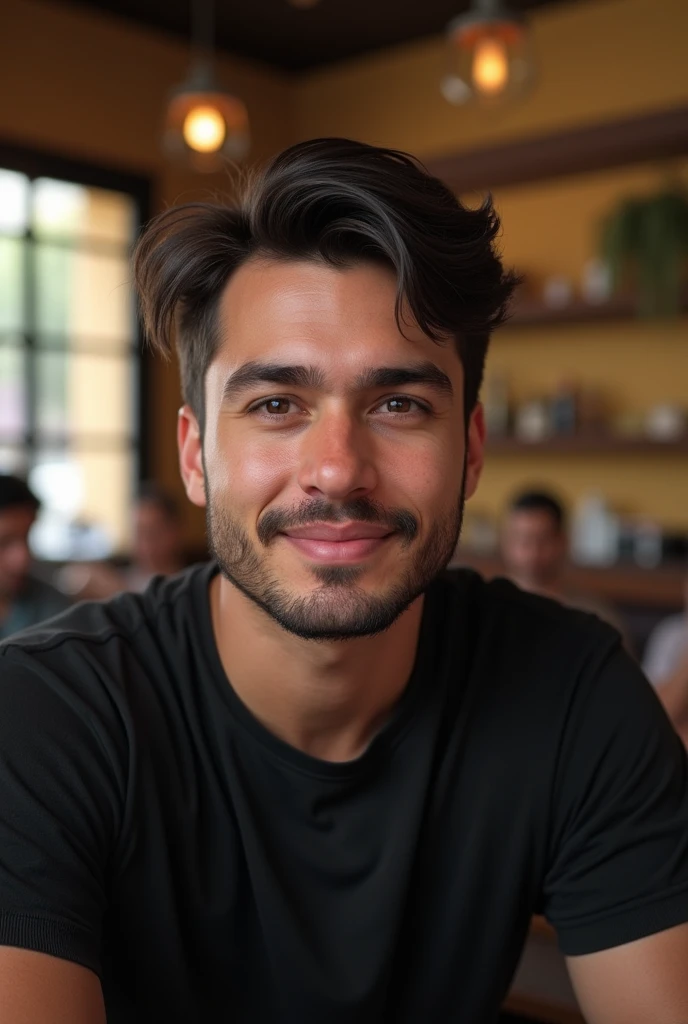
x=552 y=228
x=597 y=59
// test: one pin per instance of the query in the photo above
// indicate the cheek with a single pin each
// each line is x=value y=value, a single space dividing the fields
x=428 y=475
x=247 y=471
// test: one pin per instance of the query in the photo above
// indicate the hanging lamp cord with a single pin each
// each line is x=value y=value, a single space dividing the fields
x=203 y=28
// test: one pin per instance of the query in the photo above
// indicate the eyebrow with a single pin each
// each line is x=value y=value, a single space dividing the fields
x=426 y=374
x=312 y=378
x=253 y=373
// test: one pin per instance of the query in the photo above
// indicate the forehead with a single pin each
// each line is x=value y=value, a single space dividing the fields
x=312 y=313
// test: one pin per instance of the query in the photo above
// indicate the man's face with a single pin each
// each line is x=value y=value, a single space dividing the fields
x=334 y=448
x=533 y=548
x=15 y=556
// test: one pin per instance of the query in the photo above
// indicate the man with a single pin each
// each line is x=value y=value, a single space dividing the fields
x=24 y=599
x=318 y=780
x=534 y=545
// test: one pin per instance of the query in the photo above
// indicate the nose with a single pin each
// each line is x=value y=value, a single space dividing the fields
x=337 y=458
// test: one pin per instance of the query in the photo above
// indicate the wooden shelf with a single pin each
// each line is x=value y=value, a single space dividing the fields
x=663 y=587
x=577 y=444
x=534 y=313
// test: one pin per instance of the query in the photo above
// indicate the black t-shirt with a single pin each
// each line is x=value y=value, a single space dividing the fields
x=153 y=830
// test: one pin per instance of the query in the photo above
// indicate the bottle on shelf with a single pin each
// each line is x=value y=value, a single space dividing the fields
x=564 y=409
x=595 y=532
x=533 y=422
x=496 y=404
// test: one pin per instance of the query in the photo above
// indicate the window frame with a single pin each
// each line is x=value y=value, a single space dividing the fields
x=35 y=164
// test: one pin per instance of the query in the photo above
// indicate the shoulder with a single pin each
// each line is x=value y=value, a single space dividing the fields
x=104 y=640
x=499 y=606
x=525 y=653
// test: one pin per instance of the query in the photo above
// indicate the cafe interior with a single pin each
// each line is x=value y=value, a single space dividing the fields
x=572 y=113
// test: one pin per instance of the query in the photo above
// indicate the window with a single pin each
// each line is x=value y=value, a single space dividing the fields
x=70 y=355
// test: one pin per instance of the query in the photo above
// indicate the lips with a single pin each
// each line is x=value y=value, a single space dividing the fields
x=338 y=534
x=347 y=544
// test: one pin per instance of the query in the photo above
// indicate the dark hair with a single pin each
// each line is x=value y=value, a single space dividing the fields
x=338 y=202
x=152 y=494
x=540 y=501
x=16 y=493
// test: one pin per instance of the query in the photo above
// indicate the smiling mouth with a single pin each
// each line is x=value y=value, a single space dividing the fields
x=340 y=545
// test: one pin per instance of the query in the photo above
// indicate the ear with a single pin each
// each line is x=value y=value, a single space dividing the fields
x=191 y=456
x=475 y=449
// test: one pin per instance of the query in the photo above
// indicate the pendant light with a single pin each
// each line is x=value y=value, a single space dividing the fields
x=204 y=125
x=488 y=55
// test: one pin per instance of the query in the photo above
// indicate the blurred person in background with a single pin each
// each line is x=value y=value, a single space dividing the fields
x=24 y=599
x=666 y=666
x=534 y=549
x=157 y=550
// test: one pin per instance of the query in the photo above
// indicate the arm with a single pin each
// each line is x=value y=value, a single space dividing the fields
x=641 y=981
x=35 y=987
x=616 y=888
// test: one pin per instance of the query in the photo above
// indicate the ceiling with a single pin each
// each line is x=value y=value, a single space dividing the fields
x=292 y=39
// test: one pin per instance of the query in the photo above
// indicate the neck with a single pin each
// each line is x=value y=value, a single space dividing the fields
x=326 y=699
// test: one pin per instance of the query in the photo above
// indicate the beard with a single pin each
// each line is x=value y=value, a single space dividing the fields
x=338 y=608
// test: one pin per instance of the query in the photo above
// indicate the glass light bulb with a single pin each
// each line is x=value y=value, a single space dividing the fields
x=204 y=129
x=490 y=66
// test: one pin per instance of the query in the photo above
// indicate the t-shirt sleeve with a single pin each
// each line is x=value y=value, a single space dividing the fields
x=618 y=862
x=58 y=815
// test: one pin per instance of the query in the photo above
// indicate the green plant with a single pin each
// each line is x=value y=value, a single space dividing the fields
x=645 y=242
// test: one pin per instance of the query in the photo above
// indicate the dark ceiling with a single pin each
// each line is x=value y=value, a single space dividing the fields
x=294 y=39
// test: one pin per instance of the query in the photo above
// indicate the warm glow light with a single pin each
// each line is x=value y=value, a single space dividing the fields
x=204 y=129
x=490 y=66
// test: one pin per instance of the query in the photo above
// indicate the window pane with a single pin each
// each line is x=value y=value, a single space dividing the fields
x=84 y=296
x=51 y=394
x=67 y=210
x=108 y=493
x=12 y=393
x=11 y=284
x=83 y=395
x=86 y=502
x=14 y=193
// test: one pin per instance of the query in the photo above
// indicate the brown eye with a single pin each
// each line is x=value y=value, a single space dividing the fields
x=399 y=405
x=278 y=406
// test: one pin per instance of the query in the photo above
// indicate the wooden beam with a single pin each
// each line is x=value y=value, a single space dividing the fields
x=597 y=147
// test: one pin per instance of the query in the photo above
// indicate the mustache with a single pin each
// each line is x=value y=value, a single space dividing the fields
x=397 y=520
